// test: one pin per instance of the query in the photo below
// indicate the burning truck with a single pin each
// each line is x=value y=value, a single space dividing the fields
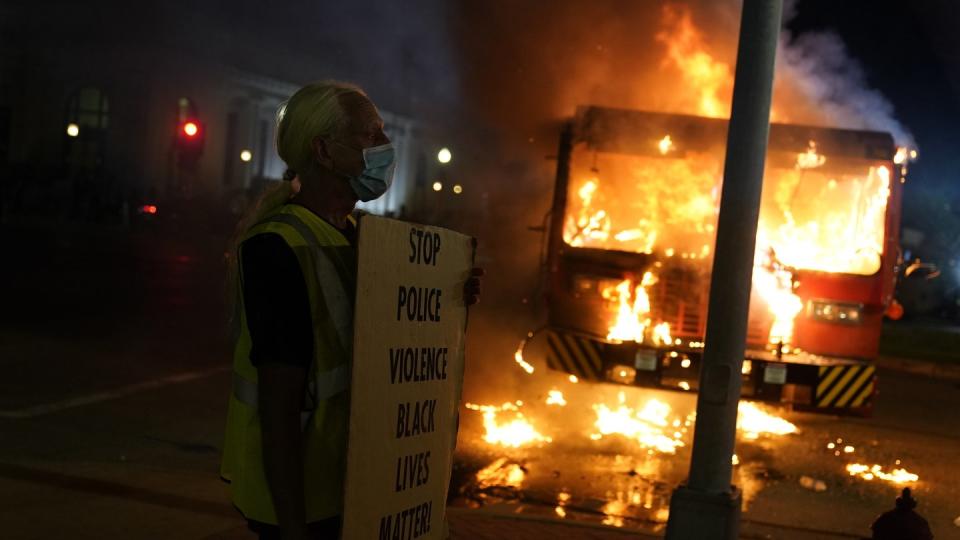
x=629 y=256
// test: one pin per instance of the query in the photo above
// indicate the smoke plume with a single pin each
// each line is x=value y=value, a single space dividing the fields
x=815 y=72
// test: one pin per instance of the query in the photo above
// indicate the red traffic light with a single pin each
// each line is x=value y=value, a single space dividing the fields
x=190 y=129
x=189 y=142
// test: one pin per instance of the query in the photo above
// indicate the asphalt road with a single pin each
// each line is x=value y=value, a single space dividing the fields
x=113 y=401
x=794 y=481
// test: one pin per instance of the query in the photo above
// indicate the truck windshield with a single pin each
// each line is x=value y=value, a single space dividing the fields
x=816 y=213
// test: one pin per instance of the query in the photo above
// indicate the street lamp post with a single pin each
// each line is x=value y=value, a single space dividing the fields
x=707 y=507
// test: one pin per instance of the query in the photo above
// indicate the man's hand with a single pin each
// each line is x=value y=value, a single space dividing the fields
x=471 y=289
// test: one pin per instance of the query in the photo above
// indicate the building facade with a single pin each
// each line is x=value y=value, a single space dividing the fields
x=94 y=128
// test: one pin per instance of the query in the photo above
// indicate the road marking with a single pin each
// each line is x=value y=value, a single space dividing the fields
x=57 y=406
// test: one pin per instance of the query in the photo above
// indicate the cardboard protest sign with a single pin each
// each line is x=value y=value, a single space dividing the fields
x=409 y=327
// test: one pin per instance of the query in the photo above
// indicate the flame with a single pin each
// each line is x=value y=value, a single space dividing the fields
x=589 y=225
x=753 y=421
x=555 y=397
x=633 y=309
x=810 y=159
x=614 y=511
x=901 y=156
x=515 y=433
x=895 y=476
x=774 y=284
x=501 y=473
x=518 y=358
x=710 y=81
x=826 y=223
x=649 y=425
x=661 y=334
x=665 y=145
x=810 y=219
x=634 y=203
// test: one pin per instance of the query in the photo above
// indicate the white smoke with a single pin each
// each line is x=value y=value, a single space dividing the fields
x=821 y=83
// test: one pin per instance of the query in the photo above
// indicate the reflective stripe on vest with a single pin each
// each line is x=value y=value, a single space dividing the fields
x=326 y=385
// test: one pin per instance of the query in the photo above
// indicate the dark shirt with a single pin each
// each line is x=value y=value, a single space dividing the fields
x=276 y=301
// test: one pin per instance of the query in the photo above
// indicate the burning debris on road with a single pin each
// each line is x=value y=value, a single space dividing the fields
x=752 y=421
x=649 y=426
x=516 y=432
x=895 y=476
x=653 y=424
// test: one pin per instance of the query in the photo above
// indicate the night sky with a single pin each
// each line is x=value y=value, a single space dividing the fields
x=910 y=52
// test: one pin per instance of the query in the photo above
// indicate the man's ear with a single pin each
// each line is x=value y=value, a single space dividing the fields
x=321 y=150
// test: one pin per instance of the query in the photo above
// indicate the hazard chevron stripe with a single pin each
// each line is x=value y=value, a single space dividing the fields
x=574 y=354
x=845 y=386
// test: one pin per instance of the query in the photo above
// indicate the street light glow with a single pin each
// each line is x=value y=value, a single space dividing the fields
x=458 y=189
x=444 y=155
x=73 y=130
x=246 y=155
x=437 y=186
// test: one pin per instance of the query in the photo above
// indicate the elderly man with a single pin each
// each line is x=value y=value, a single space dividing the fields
x=285 y=446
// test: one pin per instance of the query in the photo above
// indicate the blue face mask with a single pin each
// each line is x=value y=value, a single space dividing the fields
x=378 y=167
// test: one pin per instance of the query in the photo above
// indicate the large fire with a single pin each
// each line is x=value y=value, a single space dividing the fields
x=811 y=218
x=815 y=214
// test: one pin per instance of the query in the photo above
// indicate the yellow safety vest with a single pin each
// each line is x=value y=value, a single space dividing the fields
x=329 y=269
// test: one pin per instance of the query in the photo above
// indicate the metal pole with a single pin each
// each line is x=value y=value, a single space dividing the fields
x=708 y=506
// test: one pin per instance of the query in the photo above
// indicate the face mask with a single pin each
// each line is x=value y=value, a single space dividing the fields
x=378 y=168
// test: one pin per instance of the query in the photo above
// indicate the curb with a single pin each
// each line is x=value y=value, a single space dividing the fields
x=749 y=529
x=926 y=368
x=547 y=520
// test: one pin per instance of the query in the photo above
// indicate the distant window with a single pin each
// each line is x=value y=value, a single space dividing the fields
x=88 y=108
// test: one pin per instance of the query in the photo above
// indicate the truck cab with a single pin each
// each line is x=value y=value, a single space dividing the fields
x=630 y=251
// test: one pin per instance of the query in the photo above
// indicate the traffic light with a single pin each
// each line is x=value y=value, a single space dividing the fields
x=190 y=138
